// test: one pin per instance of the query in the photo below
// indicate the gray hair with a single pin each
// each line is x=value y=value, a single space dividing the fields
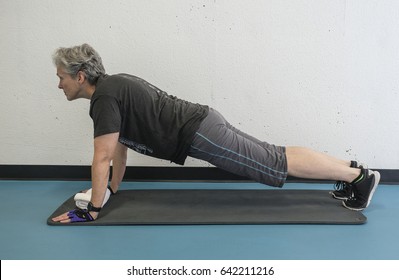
x=80 y=58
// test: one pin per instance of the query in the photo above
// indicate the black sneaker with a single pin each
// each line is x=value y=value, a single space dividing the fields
x=362 y=190
x=343 y=190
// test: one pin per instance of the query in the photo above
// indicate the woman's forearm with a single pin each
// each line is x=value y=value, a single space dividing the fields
x=118 y=166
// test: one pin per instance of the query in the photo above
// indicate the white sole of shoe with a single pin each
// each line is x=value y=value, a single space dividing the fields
x=337 y=197
x=377 y=177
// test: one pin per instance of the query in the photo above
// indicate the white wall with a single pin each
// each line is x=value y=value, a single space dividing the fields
x=317 y=73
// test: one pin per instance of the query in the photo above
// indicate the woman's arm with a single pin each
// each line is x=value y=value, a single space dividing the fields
x=104 y=152
x=105 y=147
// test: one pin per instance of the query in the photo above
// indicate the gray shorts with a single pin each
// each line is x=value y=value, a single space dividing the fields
x=225 y=147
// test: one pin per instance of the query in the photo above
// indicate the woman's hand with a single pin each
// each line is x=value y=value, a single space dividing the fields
x=76 y=215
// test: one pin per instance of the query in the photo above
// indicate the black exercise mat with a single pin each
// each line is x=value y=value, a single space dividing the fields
x=189 y=207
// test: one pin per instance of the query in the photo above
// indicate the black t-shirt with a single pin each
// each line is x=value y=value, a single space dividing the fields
x=148 y=120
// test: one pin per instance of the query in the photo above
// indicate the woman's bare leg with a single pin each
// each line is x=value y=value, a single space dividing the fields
x=306 y=163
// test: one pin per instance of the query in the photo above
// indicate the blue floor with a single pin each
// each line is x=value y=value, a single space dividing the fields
x=26 y=205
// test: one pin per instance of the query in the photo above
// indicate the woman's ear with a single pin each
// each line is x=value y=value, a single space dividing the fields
x=81 y=77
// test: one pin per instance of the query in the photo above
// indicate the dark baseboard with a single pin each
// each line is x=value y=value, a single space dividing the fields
x=136 y=173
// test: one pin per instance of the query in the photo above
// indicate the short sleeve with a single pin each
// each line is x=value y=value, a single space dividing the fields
x=106 y=115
